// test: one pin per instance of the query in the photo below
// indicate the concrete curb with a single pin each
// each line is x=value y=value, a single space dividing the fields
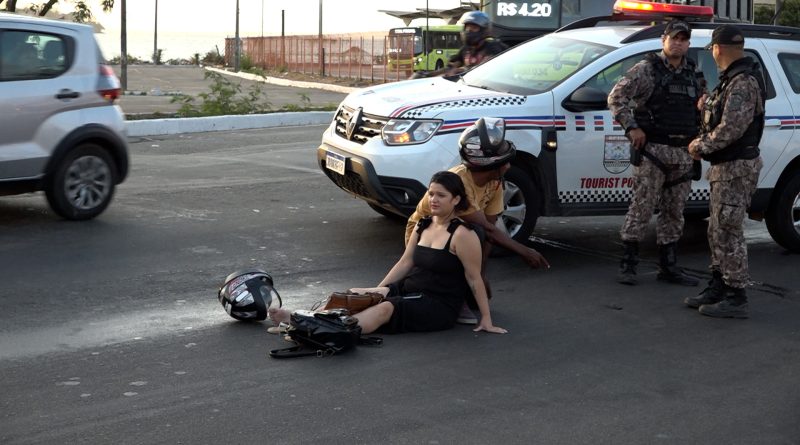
x=286 y=82
x=155 y=127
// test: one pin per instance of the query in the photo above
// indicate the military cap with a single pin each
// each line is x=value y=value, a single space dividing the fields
x=726 y=35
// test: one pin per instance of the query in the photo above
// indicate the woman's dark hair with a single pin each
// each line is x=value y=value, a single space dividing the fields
x=453 y=184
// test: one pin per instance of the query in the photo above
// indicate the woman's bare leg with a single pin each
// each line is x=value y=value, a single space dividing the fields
x=373 y=317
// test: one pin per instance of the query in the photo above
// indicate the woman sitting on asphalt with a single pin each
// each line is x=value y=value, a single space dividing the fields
x=440 y=267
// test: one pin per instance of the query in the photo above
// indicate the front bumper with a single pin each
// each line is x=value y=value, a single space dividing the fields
x=397 y=195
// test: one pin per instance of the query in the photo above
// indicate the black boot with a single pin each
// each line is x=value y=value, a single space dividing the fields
x=734 y=304
x=710 y=295
x=627 y=267
x=667 y=269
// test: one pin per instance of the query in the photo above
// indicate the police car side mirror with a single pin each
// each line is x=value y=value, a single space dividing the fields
x=586 y=99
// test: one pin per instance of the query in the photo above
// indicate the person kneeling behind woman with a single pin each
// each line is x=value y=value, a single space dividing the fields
x=440 y=267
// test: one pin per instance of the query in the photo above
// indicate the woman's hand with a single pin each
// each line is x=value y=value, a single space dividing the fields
x=486 y=325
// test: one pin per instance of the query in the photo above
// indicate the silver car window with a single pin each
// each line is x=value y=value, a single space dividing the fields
x=28 y=55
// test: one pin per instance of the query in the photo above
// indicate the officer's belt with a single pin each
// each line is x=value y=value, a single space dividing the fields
x=732 y=153
x=693 y=174
x=672 y=141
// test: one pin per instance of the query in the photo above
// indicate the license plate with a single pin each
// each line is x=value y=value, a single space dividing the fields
x=335 y=162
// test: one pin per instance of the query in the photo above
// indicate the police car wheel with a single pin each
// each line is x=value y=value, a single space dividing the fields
x=783 y=215
x=521 y=201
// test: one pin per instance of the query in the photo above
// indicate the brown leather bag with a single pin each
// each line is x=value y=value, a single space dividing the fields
x=354 y=303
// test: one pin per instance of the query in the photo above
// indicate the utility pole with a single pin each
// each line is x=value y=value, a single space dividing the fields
x=236 y=50
x=778 y=8
x=263 y=61
x=123 y=58
x=155 y=37
x=426 y=36
x=321 y=49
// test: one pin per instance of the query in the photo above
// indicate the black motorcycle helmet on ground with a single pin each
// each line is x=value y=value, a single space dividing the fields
x=483 y=145
x=247 y=294
x=479 y=19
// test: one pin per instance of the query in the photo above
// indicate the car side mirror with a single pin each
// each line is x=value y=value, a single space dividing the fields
x=586 y=99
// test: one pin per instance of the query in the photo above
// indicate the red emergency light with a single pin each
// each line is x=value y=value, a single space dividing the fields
x=642 y=7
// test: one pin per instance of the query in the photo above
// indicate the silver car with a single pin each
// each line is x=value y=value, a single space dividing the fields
x=60 y=130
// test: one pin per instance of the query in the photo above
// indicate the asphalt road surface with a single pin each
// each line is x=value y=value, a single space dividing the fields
x=110 y=330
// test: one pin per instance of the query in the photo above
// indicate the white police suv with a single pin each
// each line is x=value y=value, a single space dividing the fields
x=385 y=142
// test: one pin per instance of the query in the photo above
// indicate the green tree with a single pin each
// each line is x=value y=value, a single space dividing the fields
x=790 y=13
x=82 y=13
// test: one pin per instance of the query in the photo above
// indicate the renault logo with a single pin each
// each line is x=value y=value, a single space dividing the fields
x=353 y=123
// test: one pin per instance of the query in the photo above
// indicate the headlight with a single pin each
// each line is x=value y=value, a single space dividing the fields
x=407 y=132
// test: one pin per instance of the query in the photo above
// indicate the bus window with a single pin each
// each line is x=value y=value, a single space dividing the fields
x=409 y=45
x=438 y=40
x=453 y=41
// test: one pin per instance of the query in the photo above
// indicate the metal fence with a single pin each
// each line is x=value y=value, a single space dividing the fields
x=347 y=56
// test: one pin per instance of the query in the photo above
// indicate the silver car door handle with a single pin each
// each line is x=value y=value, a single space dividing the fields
x=772 y=123
x=68 y=94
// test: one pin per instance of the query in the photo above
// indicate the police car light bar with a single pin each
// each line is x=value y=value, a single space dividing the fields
x=639 y=7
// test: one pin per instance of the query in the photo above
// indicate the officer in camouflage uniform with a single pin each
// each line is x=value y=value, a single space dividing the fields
x=656 y=104
x=733 y=121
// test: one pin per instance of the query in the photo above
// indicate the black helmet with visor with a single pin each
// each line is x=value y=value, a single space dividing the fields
x=483 y=145
x=247 y=294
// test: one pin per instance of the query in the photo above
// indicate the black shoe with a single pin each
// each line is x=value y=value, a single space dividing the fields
x=627 y=267
x=710 y=295
x=667 y=269
x=627 y=274
x=726 y=308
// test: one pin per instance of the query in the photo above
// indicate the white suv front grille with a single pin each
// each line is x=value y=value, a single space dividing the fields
x=368 y=127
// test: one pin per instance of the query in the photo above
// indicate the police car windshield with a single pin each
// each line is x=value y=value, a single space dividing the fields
x=536 y=66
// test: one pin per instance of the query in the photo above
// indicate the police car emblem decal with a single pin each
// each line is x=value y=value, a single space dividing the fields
x=616 y=154
x=353 y=123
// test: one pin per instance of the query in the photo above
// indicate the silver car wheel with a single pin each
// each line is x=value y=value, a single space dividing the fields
x=795 y=213
x=514 y=214
x=87 y=182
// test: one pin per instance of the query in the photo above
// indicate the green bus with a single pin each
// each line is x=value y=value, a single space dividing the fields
x=421 y=48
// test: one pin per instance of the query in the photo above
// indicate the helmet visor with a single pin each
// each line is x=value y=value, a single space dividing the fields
x=495 y=130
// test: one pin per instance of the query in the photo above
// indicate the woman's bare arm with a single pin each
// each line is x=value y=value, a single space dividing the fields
x=468 y=249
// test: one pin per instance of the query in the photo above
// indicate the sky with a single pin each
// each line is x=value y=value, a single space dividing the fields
x=186 y=27
x=302 y=16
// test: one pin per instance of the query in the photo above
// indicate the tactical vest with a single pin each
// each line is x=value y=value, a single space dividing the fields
x=746 y=147
x=670 y=115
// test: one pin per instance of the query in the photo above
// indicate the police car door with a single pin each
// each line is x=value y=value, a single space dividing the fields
x=594 y=172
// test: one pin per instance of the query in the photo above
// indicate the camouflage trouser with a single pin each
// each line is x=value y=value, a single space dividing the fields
x=728 y=205
x=648 y=191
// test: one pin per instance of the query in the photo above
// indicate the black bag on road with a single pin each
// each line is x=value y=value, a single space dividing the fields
x=322 y=334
